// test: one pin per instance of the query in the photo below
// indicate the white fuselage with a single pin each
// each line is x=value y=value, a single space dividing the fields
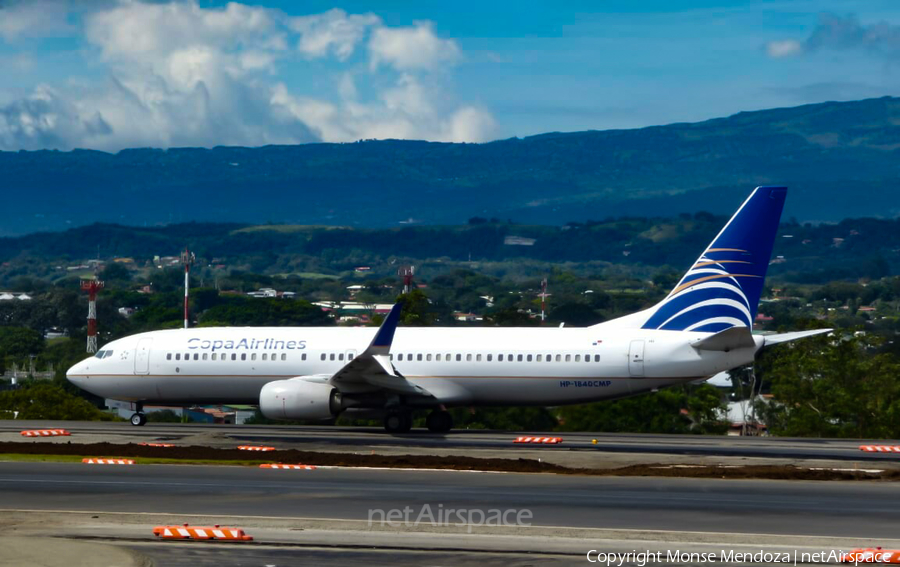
x=458 y=366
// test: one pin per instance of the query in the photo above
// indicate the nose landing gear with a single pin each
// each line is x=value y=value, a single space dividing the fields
x=138 y=418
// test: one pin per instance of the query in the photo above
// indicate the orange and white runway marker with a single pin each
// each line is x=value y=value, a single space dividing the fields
x=92 y=461
x=45 y=433
x=539 y=440
x=204 y=533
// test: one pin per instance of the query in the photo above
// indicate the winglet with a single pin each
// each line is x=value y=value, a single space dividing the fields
x=385 y=335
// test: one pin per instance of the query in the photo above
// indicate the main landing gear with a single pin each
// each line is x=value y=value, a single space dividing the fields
x=398 y=421
x=439 y=421
x=138 y=418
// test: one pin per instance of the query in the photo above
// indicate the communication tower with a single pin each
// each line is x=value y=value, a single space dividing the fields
x=407 y=273
x=92 y=287
x=543 y=295
x=187 y=259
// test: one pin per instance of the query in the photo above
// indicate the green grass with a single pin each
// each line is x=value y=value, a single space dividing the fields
x=23 y=458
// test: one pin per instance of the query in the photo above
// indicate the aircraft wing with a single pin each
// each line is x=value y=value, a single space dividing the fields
x=372 y=369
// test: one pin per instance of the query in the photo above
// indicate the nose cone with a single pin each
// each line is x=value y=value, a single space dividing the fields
x=76 y=375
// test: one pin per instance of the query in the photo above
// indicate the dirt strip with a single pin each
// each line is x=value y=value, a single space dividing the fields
x=198 y=453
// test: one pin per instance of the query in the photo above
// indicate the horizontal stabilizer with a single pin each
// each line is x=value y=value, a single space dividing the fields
x=787 y=337
x=729 y=339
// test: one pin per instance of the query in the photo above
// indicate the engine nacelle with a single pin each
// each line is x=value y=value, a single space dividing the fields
x=299 y=399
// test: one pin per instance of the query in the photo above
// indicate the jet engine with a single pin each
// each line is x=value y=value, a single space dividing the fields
x=299 y=399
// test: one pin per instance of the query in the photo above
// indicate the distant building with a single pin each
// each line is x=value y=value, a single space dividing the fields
x=519 y=241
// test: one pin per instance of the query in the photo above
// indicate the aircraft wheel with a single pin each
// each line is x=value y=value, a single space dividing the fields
x=398 y=422
x=439 y=421
x=138 y=419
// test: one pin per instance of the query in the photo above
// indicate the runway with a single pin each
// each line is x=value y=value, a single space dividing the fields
x=346 y=438
x=847 y=509
x=339 y=516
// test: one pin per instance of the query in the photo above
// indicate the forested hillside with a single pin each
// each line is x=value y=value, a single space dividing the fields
x=840 y=160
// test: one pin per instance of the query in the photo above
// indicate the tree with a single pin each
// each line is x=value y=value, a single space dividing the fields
x=827 y=387
x=680 y=409
x=48 y=401
x=416 y=311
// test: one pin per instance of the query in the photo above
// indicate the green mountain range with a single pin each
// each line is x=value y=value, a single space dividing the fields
x=840 y=160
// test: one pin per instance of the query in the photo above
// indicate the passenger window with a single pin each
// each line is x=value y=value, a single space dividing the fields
x=499 y=358
x=448 y=357
x=477 y=358
x=419 y=357
x=458 y=357
x=265 y=356
x=233 y=356
x=169 y=356
x=468 y=358
x=243 y=356
x=283 y=356
x=549 y=358
x=205 y=356
x=253 y=356
x=510 y=358
x=187 y=356
x=519 y=358
x=214 y=356
x=323 y=356
x=331 y=356
x=341 y=356
x=528 y=358
x=489 y=357
x=568 y=358
x=303 y=357
x=587 y=358
x=558 y=359
x=428 y=357
x=577 y=358
x=538 y=358
x=177 y=356
x=437 y=357
x=596 y=358
x=196 y=356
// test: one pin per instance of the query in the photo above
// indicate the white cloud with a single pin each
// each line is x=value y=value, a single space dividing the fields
x=783 y=48
x=411 y=48
x=334 y=31
x=29 y=18
x=842 y=33
x=183 y=75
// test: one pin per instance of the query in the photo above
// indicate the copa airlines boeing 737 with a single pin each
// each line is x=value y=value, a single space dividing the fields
x=701 y=328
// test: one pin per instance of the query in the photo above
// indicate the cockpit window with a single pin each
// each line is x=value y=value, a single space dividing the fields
x=108 y=354
x=100 y=354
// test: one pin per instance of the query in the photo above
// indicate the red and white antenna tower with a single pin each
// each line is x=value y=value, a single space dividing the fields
x=543 y=295
x=187 y=259
x=407 y=273
x=92 y=287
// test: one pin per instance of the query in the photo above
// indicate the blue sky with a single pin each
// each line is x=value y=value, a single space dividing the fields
x=109 y=74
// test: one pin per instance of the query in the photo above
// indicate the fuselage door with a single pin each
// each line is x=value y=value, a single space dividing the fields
x=636 y=358
x=142 y=356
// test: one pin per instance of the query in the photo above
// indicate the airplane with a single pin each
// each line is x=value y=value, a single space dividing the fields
x=701 y=328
